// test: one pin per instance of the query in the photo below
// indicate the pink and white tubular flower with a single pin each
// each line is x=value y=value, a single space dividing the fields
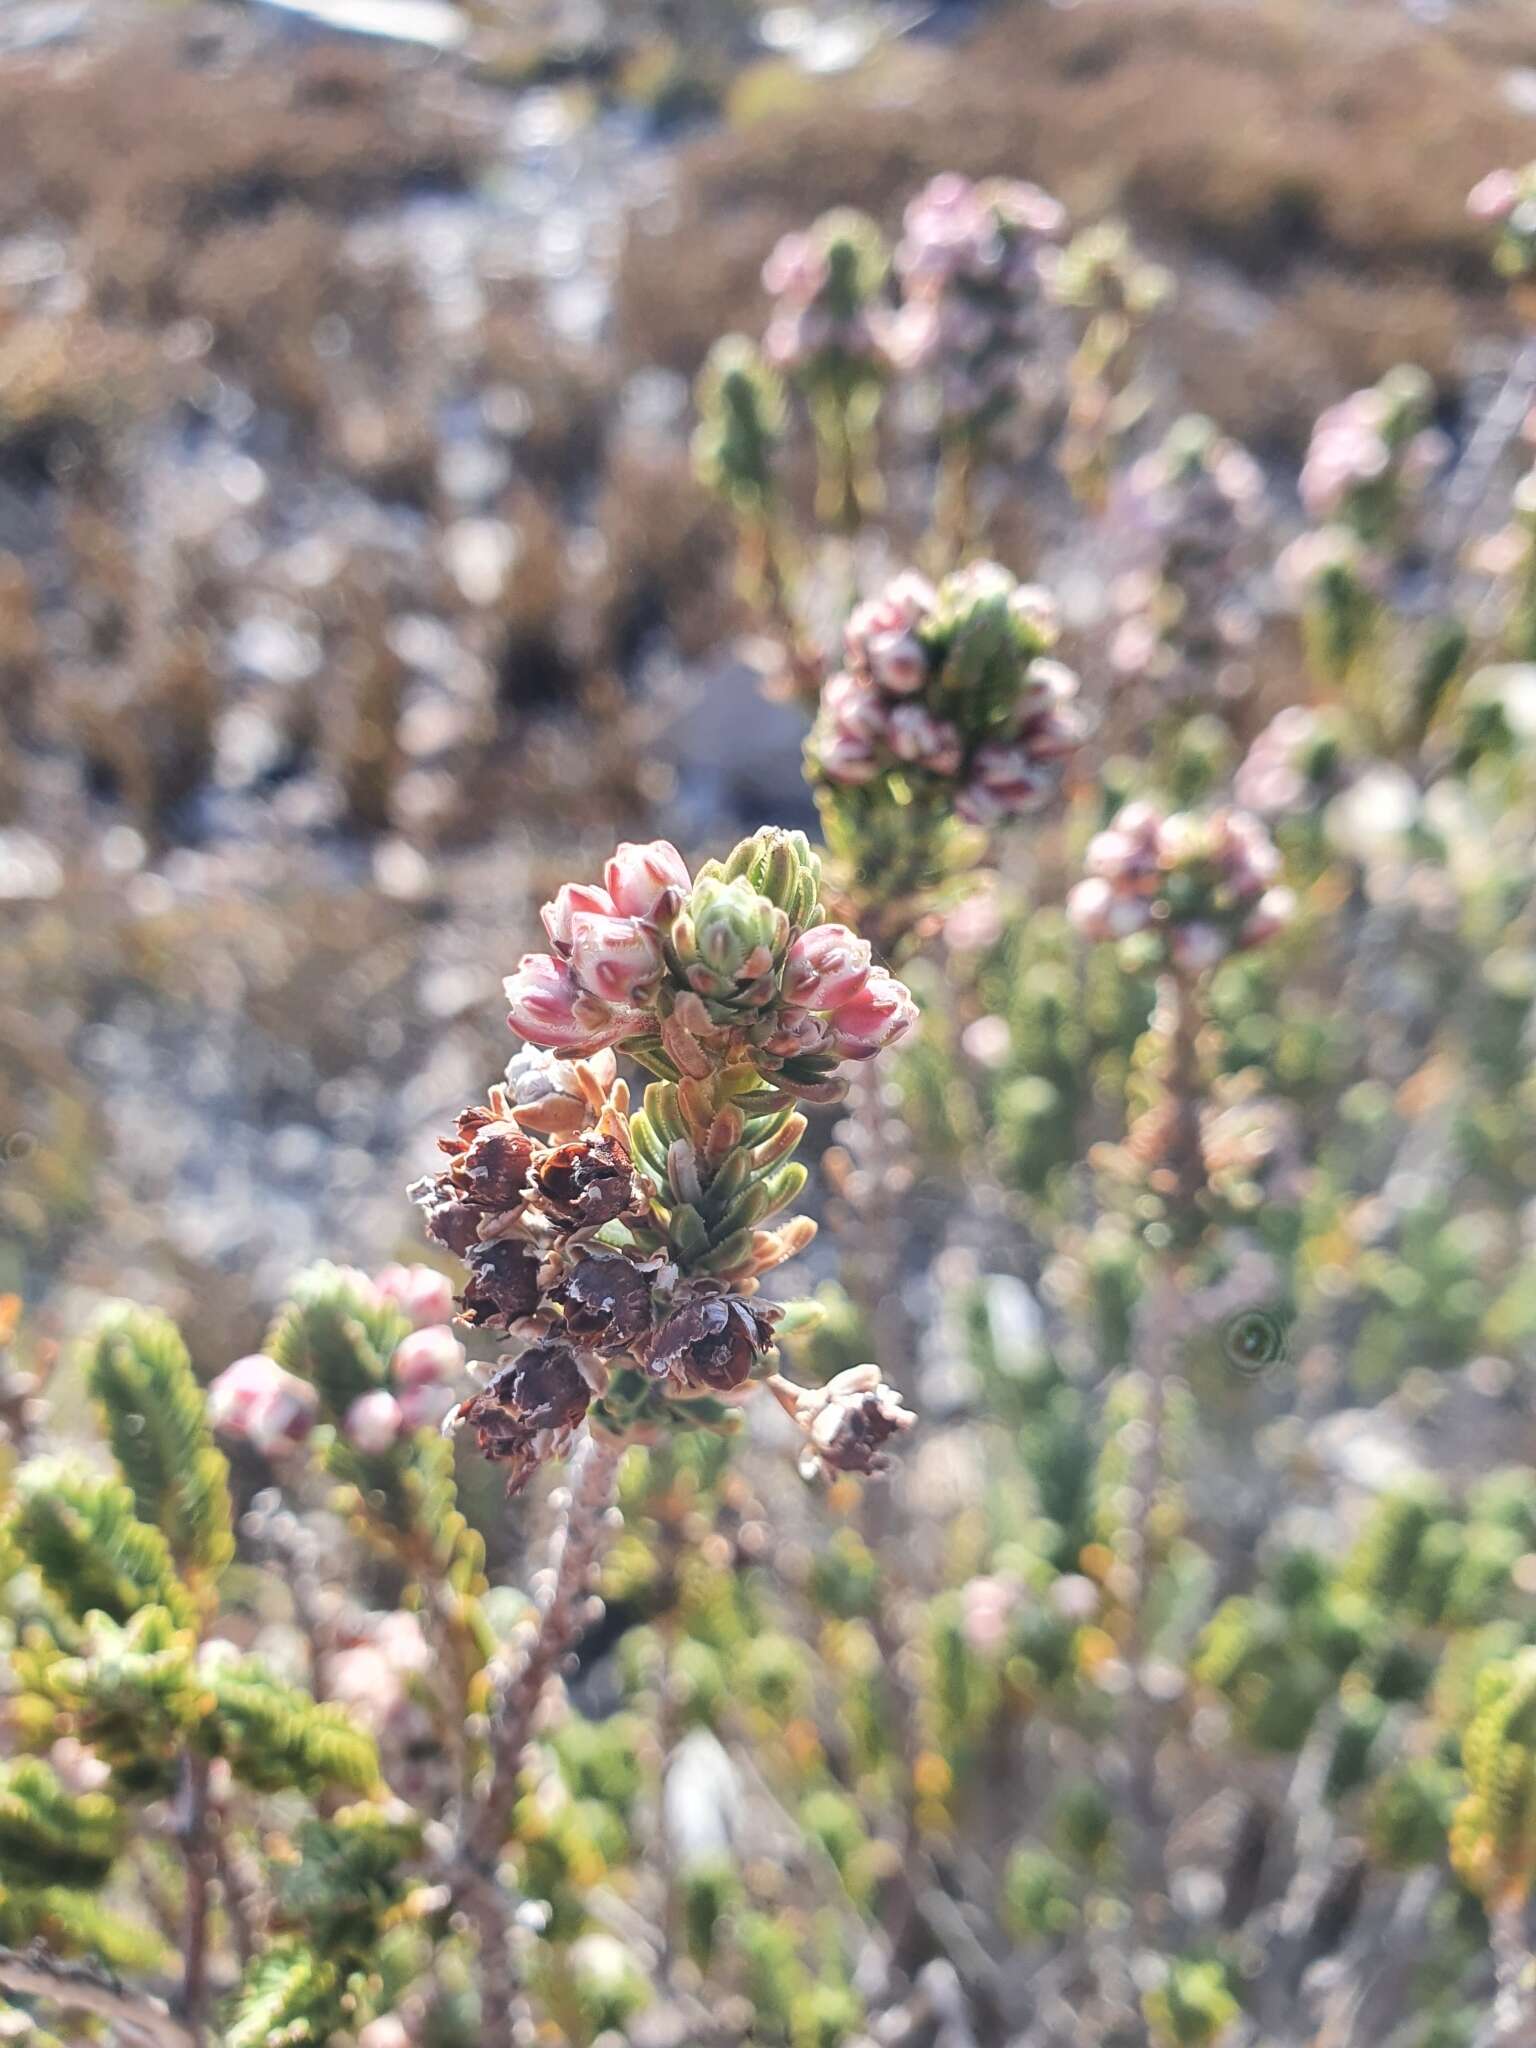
x=373 y=1423
x=826 y=967
x=570 y=900
x=876 y=1017
x=616 y=959
x=1494 y=197
x=549 y=1007
x=424 y=1294
x=256 y=1400
x=647 y=881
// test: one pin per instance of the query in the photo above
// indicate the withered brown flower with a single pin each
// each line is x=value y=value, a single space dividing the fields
x=447 y=1217
x=849 y=1421
x=712 y=1343
x=607 y=1301
x=588 y=1182
x=503 y=1284
x=528 y=1410
x=493 y=1168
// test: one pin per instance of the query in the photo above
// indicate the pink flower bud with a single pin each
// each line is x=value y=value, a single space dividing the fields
x=826 y=967
x=1271 y=914
x=549 y=1007
x=1197 y=946
x=254 y=1399
x=565 y=904
x=1100 y=911
x=425 y=1294
x=614 y=958
x=424 y=1407
x=373 y=1423
x=427 y=1357
x=876 y=1017
x=843 y=758
x=898 y=662
x=929 y=742
x=853 y=707
x=642 y=879
x=1494 y=197
x=1005 y=779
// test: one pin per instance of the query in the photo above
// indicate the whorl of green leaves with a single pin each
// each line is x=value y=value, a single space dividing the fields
x=716 y=1194
x=1191 y=2008
x=290 y=1996
x=337 y=1336
x=139 y=1373
x=741 y=423
x=1383 y=1561
x=1493 y=1834
x=276 y=1736
x=1038 y=1895
x=92 y=1552
x=50 y=1836
x=73 y=1923
x=135 y=1696
x=1410 y=1813
x=351 y=1874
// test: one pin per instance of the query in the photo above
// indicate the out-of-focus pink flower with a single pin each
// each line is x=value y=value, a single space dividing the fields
x=929 y=742
x=616 y=959
x=882 y=1012
x=373 y=1423
x=826 y=967
x=987 y=1610
x=422 y=1292
x=427 y=1357
x=1006 y=778
x=848 y=759
x=643 y=879
x=795 y=269
x=1494 y=197
x=256 y=1400
x=424 y=1407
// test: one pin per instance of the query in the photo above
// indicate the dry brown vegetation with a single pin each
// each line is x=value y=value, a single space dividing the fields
x=1269 y=141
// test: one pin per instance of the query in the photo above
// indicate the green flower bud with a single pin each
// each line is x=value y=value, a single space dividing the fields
x=729 y=941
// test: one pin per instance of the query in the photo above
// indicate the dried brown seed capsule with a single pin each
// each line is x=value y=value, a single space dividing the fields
x=447 y=1217
x=588 y=1182
x=713 y=1343
x=607 y=1302
x=493 y=1169
x=503 y=1284
x=542 y=1389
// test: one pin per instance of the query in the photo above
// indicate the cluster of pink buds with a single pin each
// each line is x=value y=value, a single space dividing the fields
x=259 y=1402
x=1189 y=515
x=970 y=267
x=1371 y=455
x=1293 y=764
x=824 y=283
x=1203 y=885
x=1506 y=200
x=685 y=972
x=952 y=690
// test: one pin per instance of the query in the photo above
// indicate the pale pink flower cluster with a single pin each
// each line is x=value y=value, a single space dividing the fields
x=605 y=965
x=601 y=982
x=969 y=263
x=1506 y=199
x=1279 y=773
x=372 y=1675
x=873 y=715
x=1370 y=451
x=1205 y=883
x=807 y=325
x=1188 y=515
x=256 y=1401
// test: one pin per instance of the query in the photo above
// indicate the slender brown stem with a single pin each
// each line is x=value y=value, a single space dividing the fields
x=1514 y=2012
x=198 y=1858
x=134 y=2016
